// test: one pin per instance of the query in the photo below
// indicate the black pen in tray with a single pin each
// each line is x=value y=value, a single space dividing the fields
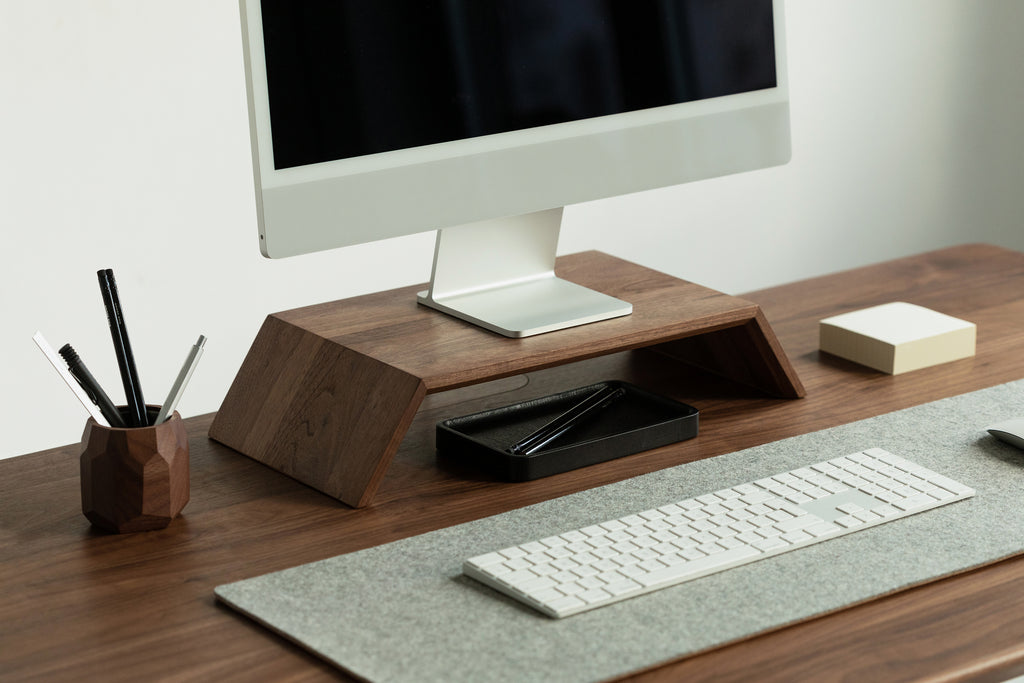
x=565 y=431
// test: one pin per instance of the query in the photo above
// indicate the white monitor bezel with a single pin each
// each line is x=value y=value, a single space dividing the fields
x=351 y=201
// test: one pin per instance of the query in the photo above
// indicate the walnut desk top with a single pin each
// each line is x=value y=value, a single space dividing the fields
x=76 y=604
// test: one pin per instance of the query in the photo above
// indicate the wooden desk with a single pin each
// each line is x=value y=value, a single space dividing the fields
x=76 y=604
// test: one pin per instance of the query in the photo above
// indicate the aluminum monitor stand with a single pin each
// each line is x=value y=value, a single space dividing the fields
x=500 y=275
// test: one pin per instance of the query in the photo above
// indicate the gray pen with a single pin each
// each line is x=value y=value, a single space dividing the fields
x=178 y=388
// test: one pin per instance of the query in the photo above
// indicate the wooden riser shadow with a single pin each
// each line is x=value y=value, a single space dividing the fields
x=327 y=392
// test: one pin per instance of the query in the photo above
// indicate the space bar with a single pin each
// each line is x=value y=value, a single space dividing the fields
x=698 y=567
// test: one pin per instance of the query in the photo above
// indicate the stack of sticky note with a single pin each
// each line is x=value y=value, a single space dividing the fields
x=897 y=337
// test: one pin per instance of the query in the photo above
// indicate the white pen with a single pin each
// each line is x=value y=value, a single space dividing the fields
x=62 y=370
x=179 y=384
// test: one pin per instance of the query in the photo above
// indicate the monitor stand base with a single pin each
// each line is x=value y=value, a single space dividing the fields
x=327 y=393
x=527 y=308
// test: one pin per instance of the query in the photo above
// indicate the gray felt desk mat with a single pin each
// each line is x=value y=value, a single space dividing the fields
x=404 y=612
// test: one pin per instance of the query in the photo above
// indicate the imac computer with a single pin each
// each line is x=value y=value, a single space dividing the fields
x=482 y=119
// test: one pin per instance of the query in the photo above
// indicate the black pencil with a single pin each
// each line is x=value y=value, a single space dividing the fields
x=123 y=348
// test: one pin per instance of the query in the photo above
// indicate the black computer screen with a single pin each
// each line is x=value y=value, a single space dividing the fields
x=354 y=77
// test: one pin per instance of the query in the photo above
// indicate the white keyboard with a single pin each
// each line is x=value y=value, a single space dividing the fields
x=636 y=554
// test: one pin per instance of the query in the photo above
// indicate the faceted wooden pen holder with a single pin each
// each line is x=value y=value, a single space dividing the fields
x=134 y=479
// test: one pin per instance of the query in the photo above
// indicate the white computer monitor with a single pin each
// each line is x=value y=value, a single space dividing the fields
x=482 y=119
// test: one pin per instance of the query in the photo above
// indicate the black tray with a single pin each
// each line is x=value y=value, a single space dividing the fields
x=635 y=422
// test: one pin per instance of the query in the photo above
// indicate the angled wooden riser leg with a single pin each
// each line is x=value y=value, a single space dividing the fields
x=317 y=411
x=748 y=353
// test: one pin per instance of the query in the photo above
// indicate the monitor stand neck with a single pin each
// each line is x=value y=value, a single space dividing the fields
x=500 y=275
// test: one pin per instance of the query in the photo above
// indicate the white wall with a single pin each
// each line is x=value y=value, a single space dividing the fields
x=123 y=144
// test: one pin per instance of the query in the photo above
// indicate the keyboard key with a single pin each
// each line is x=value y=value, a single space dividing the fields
x=623 y=587
x=822 y=529
x=770 y=543
x=795 y=523
x=566 y=604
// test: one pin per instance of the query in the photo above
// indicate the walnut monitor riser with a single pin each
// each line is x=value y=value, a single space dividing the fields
x=327 y=392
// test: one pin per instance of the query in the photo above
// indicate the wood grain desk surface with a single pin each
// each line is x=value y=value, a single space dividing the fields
x=79 y=605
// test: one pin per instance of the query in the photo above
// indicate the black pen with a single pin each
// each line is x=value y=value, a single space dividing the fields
x=91 y=387
x=123 y=348
x=598 y=400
